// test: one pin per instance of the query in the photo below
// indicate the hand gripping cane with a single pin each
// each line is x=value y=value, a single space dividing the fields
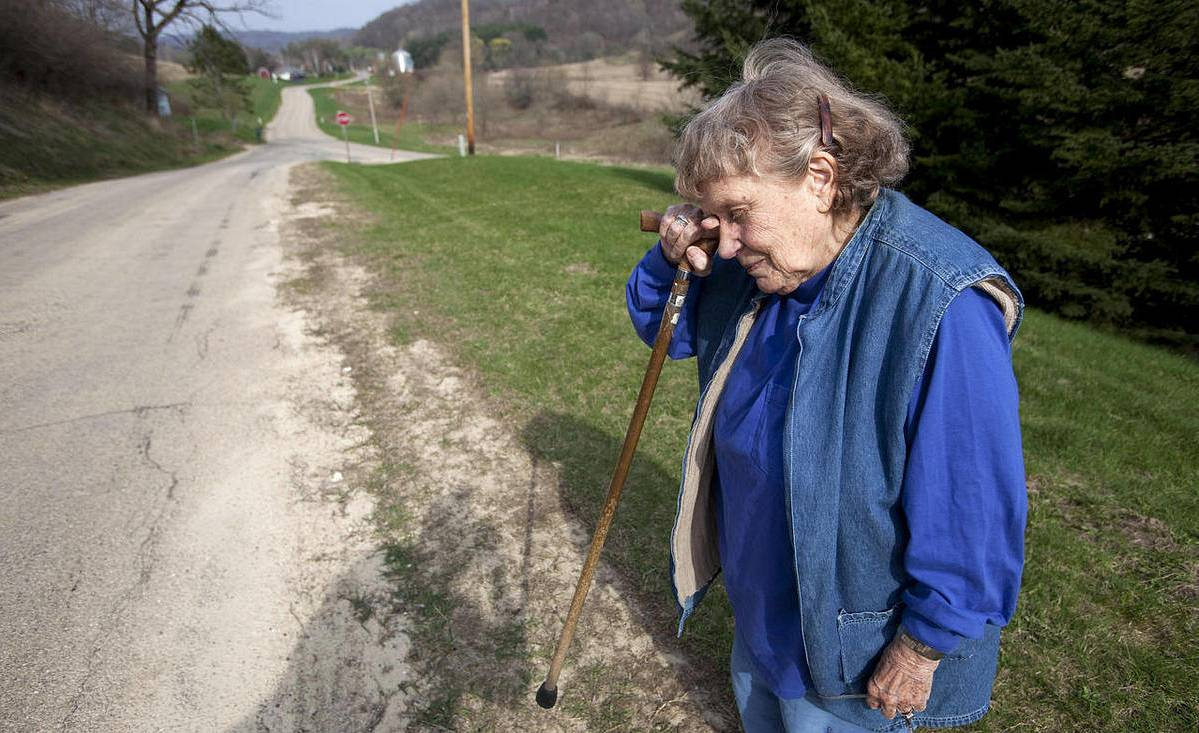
x=547 y=694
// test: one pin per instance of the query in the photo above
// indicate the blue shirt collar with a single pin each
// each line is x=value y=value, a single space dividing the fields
x=809 y=290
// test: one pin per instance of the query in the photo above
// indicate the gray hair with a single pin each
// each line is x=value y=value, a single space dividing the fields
x=769 y=124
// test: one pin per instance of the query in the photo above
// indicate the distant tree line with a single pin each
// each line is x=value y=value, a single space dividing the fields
x=495 y=46
x=530 y=32
x=1062 y=136
x=325 y=55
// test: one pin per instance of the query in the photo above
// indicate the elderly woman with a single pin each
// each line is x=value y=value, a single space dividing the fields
x=854 y=466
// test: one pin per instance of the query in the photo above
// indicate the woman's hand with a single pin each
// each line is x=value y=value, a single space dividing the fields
x=683 y=225
x=901 y=682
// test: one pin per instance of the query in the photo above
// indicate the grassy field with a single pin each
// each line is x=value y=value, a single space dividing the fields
x=1105 y=636
x=412 y=134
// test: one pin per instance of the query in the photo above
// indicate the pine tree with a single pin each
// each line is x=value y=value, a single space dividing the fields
x=1060 y=134
x=221 y=65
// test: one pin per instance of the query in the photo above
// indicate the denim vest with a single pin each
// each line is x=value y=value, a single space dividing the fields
x=862 y=350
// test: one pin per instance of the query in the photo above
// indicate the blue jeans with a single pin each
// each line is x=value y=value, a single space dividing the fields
x=764 y=712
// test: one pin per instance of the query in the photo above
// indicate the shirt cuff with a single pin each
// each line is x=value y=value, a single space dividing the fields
x=657 y=265
x=925 y=631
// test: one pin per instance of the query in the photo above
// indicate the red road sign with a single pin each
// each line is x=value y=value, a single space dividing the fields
x=343 y=118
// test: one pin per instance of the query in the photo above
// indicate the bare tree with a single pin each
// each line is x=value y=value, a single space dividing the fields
x=153 y=16
x=109 y=15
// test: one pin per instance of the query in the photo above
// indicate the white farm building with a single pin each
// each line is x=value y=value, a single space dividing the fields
x=401 y=62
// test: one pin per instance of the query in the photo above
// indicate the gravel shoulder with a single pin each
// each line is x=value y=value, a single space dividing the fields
x=481 y=557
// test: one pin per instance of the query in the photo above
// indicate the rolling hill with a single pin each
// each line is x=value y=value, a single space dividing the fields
x=576 y=30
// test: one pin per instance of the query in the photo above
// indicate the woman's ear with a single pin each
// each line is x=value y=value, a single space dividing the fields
x=822 y=177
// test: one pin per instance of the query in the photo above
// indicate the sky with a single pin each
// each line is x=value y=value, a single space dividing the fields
x=318 y=15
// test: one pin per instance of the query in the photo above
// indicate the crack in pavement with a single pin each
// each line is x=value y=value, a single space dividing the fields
x=153 y=531
x=137 y=411
x=145 y=452
x=225 y=219
x=77 y=698
x=202 y=342
x=184 y=311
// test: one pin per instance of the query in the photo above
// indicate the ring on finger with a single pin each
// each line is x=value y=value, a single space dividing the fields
x=680 y=219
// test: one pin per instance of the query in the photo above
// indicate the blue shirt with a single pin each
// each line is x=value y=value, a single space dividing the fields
x=960 y=461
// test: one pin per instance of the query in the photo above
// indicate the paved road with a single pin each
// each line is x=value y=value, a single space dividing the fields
x=160 y=423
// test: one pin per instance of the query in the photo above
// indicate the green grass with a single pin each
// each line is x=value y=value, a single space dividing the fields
x=412 y=134
x=265 y=98
x=47 y=143
x=519 y=265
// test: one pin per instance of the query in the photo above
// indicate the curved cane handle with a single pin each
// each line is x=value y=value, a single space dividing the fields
x=652 y=220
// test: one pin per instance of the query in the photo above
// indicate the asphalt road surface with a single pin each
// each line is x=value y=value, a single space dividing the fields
x=161 y=436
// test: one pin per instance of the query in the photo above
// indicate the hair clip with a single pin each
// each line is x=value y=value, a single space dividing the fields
x=826 y=121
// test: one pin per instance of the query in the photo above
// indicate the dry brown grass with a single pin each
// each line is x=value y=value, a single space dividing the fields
x=169 y=71
x=599 y=110
x=620 y=82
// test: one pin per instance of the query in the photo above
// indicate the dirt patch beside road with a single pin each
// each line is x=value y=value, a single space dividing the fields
x=482 y=557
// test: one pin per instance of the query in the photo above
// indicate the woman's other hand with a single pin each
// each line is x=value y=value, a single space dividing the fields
x=684 y=225
x=901 y=682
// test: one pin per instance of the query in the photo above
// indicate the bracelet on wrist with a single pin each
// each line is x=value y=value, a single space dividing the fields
x=911 y=642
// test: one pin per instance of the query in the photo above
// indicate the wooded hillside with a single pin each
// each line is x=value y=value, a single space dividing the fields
x=570 y=30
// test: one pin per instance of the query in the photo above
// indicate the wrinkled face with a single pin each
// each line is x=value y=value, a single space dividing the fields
x=778 y=230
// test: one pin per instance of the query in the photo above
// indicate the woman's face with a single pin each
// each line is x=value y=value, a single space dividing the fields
x=779 y=230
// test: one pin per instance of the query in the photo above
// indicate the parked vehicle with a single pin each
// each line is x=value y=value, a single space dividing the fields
x=290 y=74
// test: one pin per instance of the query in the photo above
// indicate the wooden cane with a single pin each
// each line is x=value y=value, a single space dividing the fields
x=547 y=694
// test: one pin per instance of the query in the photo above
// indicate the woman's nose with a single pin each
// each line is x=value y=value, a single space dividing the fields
x=729 y=243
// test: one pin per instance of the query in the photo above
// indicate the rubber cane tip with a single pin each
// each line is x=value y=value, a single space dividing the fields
x=547 y=697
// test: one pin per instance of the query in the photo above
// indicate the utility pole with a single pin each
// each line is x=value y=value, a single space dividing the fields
x=370 y=100
x=395 y=141
x=470 y=100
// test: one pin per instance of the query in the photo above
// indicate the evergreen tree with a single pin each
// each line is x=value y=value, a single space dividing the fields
x=1060 y=134
x=426 y=50
x=221 y=66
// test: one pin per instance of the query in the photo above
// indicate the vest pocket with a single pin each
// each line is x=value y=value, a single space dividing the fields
x=863 y=636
